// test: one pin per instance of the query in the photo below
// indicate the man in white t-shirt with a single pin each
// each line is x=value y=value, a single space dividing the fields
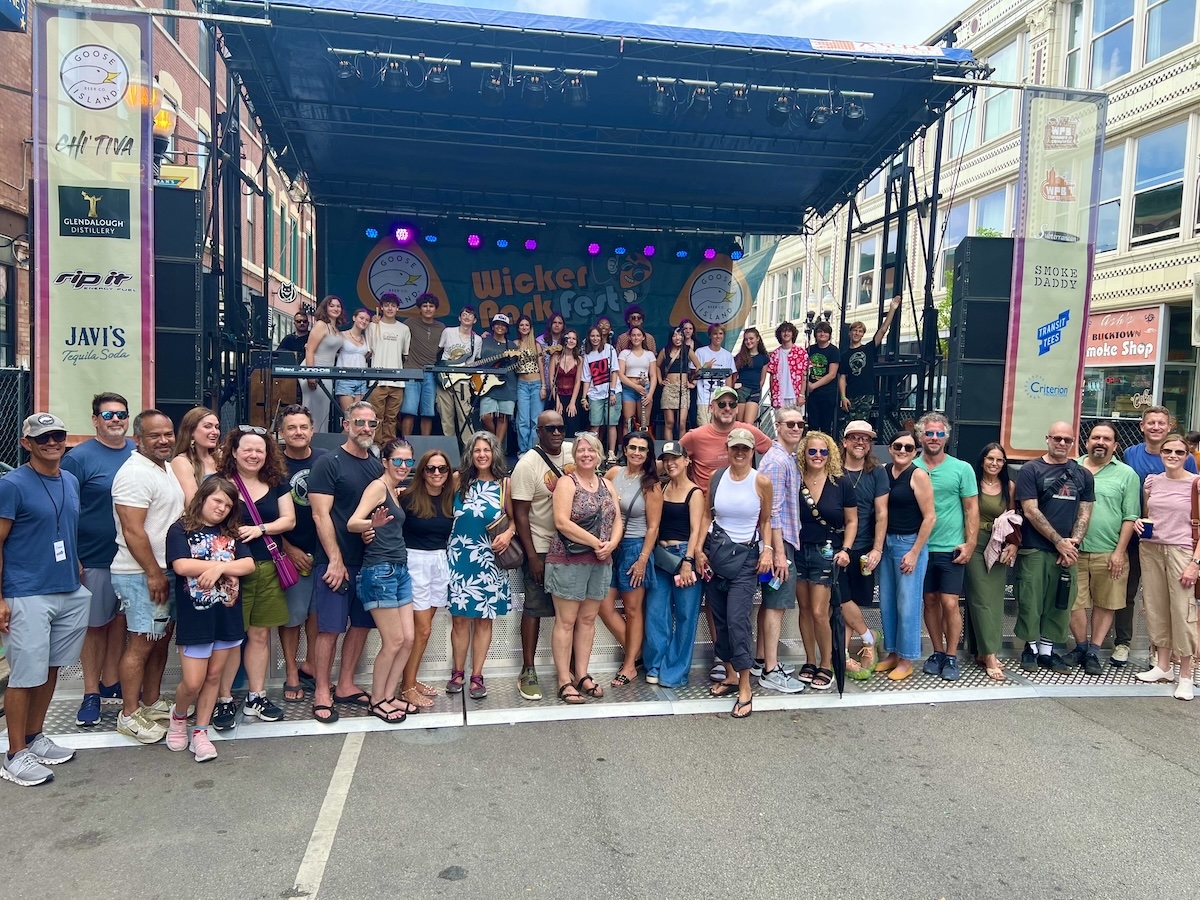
x=388 y=340
x=714 y=356
x=458 y=347
x=146 y=501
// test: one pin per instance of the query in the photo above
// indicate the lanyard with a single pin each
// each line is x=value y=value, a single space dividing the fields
x=58 y=510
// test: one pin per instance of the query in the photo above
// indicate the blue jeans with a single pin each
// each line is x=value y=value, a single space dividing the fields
x=671 y=616
x=900 y=597
x=418 y=398
x=529 y=406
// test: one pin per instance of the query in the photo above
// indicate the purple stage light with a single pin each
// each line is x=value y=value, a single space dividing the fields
x=531 y=244
x=403 y=234
x=473 y=241
x=710 y=253
x=648 y=251
x=593 y=249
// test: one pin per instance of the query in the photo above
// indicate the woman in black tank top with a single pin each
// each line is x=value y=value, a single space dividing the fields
x=905 y=554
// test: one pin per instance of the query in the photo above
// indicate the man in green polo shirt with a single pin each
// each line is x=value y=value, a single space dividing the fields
x=956 y=505
x=1103 y=562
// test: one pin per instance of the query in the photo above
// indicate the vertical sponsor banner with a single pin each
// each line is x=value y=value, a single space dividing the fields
x=94 y=292
x=1062 y=145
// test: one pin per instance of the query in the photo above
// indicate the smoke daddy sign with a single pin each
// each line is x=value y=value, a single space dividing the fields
x=93 y=212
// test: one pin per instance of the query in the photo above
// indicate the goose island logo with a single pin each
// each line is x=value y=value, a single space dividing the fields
x=94 y=76
x=93 y=211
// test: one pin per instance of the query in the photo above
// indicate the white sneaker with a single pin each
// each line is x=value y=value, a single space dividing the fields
x=49 y=753
x=1186 y=689
x=778 y=680
x=1120 y=655
x=141 y=727
x=1156 y=676
x=159 y=711
x=24 y=769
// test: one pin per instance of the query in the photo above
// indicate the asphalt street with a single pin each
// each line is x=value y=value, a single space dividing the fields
x=1041 y=798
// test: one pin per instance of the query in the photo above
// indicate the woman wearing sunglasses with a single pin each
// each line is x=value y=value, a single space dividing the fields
x=252 y=461
x=1169 y=568
x=640 y=498
x=428 y=519
x=828 y=525
x=384 y=585
x=902 y=569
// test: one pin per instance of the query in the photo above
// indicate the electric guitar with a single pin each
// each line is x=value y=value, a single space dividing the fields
x=641 y=422
x=481 y=383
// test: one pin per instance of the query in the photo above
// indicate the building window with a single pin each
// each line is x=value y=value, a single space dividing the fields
x=999 y=104
x=1109 y=225
x=797 y=295
x=203 y=48
x=295 y=267
x=1112 y=40
x=268 y=230
x=826 y=263
x=1158 y=184
x=249 y=232
x=958 y=221
x=778 y=296
x=8 y=315
x=873 y=187
x=962 y=128
x=1170 y=24
x=311 y=257
x=1075 y=49
x=868 y=250
x=170 y=23
x=990 y=214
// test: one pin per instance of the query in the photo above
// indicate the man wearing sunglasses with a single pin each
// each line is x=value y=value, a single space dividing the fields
x=956 y=505
x=43 y=607
x=706 y=445
x=95 y=463
x=532 y=484
x=635 y=318
x=1056 y=496
x=335 y=486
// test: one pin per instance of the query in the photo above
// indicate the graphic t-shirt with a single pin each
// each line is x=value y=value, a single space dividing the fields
x=820 y=359
x=1060 y=506
x=710 y=359
x=458 y=350
x=201 y=615
x=389 y=342
x=304 y=535
x=859 y=369
x=598 y=369
x=95 y=466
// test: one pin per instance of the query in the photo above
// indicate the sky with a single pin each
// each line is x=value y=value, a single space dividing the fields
x=863 y=20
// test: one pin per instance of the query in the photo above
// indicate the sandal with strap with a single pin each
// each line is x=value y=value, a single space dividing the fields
x=570 y=698
x=807 y=672
x=620 y=680
x=416 y=698
x=425 y=689
x=822 y=680
x=478 y=688
x=387 y=715
x=594 y=691
x=455 y=684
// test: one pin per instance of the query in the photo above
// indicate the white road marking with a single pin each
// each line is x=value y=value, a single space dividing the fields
x=312 y=867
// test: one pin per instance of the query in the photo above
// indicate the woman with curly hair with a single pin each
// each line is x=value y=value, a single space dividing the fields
x=479 y=591
x=324 y=341
x=828 y=524
x=252 y=461
x=196 y=456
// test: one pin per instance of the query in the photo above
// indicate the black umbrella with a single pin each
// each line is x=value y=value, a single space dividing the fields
x=838 y=626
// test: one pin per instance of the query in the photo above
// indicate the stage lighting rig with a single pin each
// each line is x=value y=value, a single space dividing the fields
x=700 y=103
x=662 y=99
x=491 y=88
x=348 y=76
x=853 y=116
x=394 y=76
x=738 y=106
x=780 y=110
x=437 y=81
x=575 y=93
x=533 y=90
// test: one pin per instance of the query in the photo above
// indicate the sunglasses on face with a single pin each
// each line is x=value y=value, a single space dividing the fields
x=252 y=429
x=437 y=470
x=1059 y=439
x=406 y=463
x=365 y=423
x=792 y=424
x=553 y=429
x=904 y=448
x=43 y=439
x=109 y=414
x=1174 y=452
x=726 y=404
x=818 y=451
x=858 y=438
x=634 y=448
x=935 y=434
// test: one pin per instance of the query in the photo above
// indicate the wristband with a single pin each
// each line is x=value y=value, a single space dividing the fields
x=846 y=550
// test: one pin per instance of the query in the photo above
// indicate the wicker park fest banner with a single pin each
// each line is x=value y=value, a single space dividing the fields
x=1062 y=141
x=94 y=294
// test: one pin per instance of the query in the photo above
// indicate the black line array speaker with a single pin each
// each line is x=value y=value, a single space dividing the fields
x=978 y=343
x=179 y=321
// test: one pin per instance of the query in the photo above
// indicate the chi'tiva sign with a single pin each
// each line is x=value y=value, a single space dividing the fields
x=1131 y=337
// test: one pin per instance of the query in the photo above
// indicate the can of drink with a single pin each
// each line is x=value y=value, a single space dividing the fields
x=1147 y=528
x=864 y=564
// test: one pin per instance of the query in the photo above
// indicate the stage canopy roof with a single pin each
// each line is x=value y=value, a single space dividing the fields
x=386 y=138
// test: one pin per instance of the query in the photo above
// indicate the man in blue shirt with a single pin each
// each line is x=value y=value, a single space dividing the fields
x=1145 y=459
x=94 y=463
x=43 y=607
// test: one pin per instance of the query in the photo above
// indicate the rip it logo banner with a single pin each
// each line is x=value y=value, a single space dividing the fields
x=93 y=288
x=1062 y=140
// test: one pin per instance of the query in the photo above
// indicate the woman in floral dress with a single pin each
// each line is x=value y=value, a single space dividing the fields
x=478 y=589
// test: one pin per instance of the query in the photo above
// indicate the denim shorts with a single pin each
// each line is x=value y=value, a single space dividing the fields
x=385 y=586
x=142 y=615
x=596 y=410
x=812 y=567
x=205 y=651
x=418 y=398
x=629 y=395
x=491 y=407
x=784 y=596
x=349 y=387
x=578 y=581
x=625 y=556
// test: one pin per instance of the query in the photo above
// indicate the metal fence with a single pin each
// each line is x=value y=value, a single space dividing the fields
x=16 y=402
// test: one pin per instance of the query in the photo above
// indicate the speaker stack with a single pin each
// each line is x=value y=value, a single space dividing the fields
x=978 y=343
x=179 y=324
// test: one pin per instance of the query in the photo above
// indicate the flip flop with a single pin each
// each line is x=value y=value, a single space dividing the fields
x=742 y=704
x=309 y=681
x=293 y=689
x=619 y=680
x=996 y=674
x=325 y=720
x=722 y=689
x=362 y=698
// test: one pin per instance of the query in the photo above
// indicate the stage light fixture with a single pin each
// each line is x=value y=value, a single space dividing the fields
x=531 y=244
x=372 y=233
x=779 y=110
x=738 y=106
x=648 y=251
x=818 y=116
x=491 y=88
x=621 y=249
x=347 y=74
x=437 y=81
x=404 y=234
x=735 y=250
x=853 y=116
x=710 y=252
x=502 y=241
x=575 y=93
x=474 y=241
x=593 y=249
x=431 y=234
x=394 y=76
x=681 y=251
x=662 y=103
x=700 y=104
x=533 y=90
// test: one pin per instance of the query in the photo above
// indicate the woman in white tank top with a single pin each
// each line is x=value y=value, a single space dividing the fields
x=742 y=505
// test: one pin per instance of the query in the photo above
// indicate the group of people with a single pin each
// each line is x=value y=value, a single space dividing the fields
x=598 y=380
x=114 y=548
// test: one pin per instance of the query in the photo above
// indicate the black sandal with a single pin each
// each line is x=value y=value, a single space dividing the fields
x=723 y=689
x=386 y=715
x=742 y=704
x=595 y=691
x=570 y=698
x=807 y=672
x=822 y=680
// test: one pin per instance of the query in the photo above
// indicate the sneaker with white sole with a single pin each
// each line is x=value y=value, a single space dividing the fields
x=24 y=769
x=49 y=753
x=201 y=746
x=141 y=727
x=177 y=735
x=527 y=684
x=1155 y=675
x=778 y=680
x=89 y=711
x=1120 y=655
x=1186 y=689
x=261 y=707
x=159 y=711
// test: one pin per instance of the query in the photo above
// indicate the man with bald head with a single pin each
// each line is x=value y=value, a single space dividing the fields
x=1056 y=496
x=532 y=484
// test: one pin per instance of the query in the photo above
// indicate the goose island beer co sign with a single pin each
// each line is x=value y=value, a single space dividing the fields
x=94 y=292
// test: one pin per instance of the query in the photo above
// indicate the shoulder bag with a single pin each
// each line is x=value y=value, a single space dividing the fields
x=512 y=556
x=1196 y=526
x=590 y=524
x=664 y=559
x=725 y=555
x=284 y=567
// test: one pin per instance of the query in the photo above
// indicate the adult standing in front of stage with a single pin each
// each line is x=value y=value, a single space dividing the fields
x=324 y=342
x=389 y=340
x=425 y=335
x=787 y=368
x=457 y=347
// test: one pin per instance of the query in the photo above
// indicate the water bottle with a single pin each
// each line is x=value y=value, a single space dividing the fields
x=1062 y=597
x=827 y=550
